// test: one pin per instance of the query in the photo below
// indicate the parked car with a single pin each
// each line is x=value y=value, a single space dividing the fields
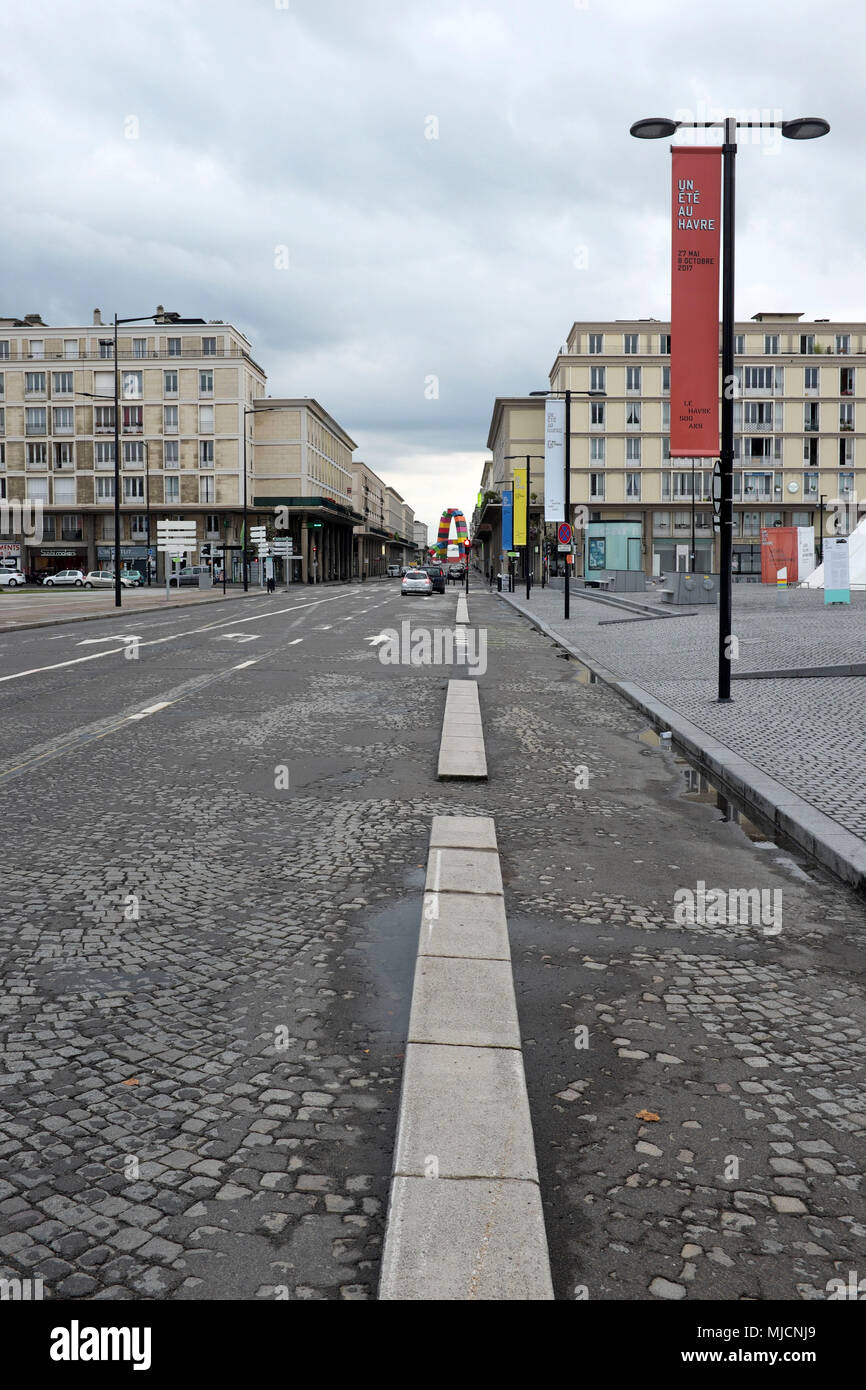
x=12 y=578
x=416 y=582
x=188 y=575
x=104 y=579
x=65 y=577
x=394 y=571
x=133 y=578
x=437 y=575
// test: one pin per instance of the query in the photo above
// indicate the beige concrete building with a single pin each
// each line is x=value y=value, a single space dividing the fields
x=800 y=449
x=371 y=535
x=198 y=437
x=400 y=524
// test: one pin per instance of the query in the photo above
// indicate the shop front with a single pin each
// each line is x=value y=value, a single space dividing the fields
x=10 y=555
x=132 y=557
x=51 y=559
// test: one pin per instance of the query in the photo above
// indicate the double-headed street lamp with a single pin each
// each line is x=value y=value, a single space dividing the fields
x=567 y=393
x=661 y=128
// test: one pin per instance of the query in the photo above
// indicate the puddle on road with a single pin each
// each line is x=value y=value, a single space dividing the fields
x=585 y=676
x=699 y=788
x=391 y=940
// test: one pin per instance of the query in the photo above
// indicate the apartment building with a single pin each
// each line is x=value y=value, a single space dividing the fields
x=400 y=524
x=420 y=537
x=371 y=535
x=798 y=455
x=199 y=439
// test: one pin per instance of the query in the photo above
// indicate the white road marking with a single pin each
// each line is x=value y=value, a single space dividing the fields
x=381 y=637
x=296 y=641
x=238 y=637
x=152 y=709
x=115 y=637
x=243 y=665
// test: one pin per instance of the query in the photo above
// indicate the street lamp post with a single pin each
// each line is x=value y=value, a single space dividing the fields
x=660 y=128
x=567 y=393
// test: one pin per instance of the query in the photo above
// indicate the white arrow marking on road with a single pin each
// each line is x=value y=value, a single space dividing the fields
x=238 y=637
x=115 y=637
x=374 y=641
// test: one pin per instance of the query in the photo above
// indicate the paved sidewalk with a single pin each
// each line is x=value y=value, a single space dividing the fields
x=808 y=734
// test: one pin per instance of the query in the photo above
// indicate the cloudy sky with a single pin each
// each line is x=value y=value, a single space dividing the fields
x=453 y=183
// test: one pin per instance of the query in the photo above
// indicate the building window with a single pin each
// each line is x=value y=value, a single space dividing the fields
x=757 y=415
x=64 y=419
x=739 y=344
x=596 y=414
x=810 y=416
x=205 y=383
x=666 y=380
x=172 y=453
x=131 y=386
x=212 y=524
x=596 y=343
x=174 y=347
x=61 y=383
x=35 y=420
x=751 y=523
x=34 y=383
x=843 y=342
x=208 y=347
x=132 y=419
x=661 y=521
x=810 y=380
x=64 y=491
x=596 y=450
x=206 y=492
x=632 y=486
x=205 y=453
x=105 y=455
x=810 y=452
x=682 y=484
x=104 y=419
x=632 y=379
x=139 y=347
x=36 y=456
x=846 y=416
x=138 y=524
x=64 y=455
x=665 y=344
x=37 y=348
x=758 y=485
x=133 y=489
x=846 y=452
x=2 y=420
x=807 y=342
x=133 y=454
x=37 y=491
x=205 y=419
x=106 y=349
x=2 y=383
x=4 y=349
x=70 y=348
x=596 y=378
x=771 y=344
x=632 y=415
x=70 y=527
x=760 y=379
x=108 y=528
x=810 y=484
x=632 y=450
x=846 y=484
x=169 y=419
x=630 y=343
x=105 y=489
x=169 y=383
x=596 y=486
x=666 y=416
x=682 y=521
x=172 y=489
x=846 y=381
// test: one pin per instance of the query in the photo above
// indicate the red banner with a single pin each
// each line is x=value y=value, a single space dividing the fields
x=696 y=214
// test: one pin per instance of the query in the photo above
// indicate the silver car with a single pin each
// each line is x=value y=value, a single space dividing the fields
x=67 y=577
x=104 y=579
x=12 y=578
x=416 y=582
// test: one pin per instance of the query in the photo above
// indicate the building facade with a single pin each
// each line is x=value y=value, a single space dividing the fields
x=371 y=535
x=799 y=422
x=199 y=440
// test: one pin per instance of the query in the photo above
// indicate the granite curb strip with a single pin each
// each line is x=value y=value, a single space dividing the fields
x=465 y=1219
x=461 y=748
x=822 y=838
x=462 y=609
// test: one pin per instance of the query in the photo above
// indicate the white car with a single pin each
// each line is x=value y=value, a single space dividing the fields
x=66 y=577
x=416 y=582
x=104 y=579
x=12 y=578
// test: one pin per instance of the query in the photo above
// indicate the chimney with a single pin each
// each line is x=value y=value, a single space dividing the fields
x=97 y=318
x=34 y=319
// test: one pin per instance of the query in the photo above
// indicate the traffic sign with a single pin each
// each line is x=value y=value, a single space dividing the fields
x=563 y=533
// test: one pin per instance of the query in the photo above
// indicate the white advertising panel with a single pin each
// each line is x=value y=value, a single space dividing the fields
x=554 y=460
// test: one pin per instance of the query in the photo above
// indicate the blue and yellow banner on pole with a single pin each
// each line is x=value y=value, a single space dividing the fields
x=507 y=519
x=520 y=506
